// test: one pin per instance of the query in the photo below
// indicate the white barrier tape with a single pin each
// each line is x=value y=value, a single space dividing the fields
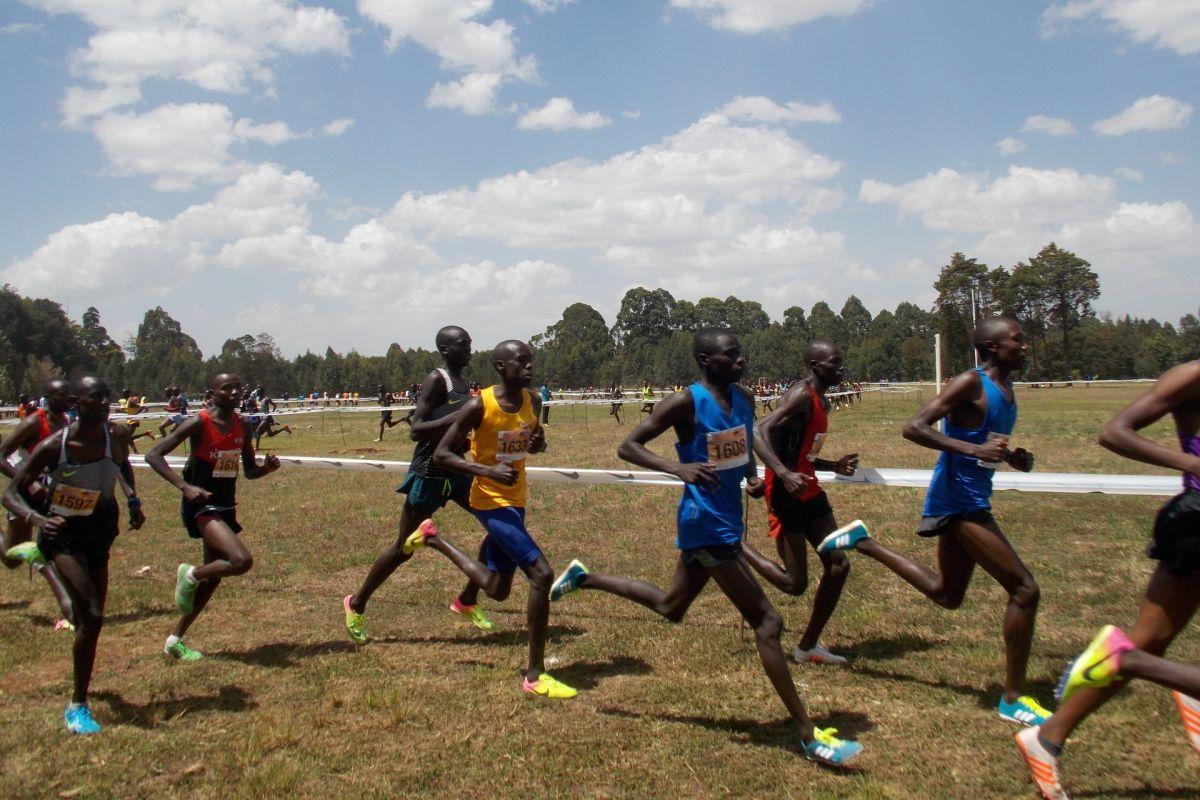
x=1056 y=482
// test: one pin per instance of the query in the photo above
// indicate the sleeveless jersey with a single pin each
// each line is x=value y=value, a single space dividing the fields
x=800 y=451
x=78 y=490
x=1190 y=443
x=960 y=485
x=708 y=517
x=501 y=438
x=422 y=460
x=44 y=429
x=215 y=460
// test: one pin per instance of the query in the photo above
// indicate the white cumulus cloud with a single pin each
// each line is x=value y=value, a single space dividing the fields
x=1129 y=174
x=1170 y=24
x=756 y=16
x=337 y=127
x=559 y=114
x=1008 y=146
x=1153 y=113
x=764 y=109
x=1052 y=126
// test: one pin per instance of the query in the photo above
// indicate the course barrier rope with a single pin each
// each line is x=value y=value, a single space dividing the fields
x=1055 y=482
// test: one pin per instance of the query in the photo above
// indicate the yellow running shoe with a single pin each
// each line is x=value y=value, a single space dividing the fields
x=354 y=622
x=472 y=613
x=1098 y=665
x=546 y=686
x=417 y=538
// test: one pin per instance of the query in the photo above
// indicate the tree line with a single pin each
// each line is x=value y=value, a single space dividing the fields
x=1051 y=294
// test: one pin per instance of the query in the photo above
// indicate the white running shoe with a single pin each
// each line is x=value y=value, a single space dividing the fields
x=1043 y=767
x=818 y=655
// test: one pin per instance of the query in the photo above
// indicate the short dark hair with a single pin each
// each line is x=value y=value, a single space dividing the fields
x=706 y=340
x=989 y=330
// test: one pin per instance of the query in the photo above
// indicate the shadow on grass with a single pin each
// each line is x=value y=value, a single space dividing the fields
x=1142 y=791
x=779 y=733
x=15 y=604
x=157 y=712
x=140 y=614
x=284 y=654
x=987 y=695
x=885 y=647
x=555 y=633
x=587 y=674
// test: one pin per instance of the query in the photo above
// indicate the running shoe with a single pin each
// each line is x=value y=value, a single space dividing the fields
x=472 y=613
x=64 y=625
x=569 y=580
x=1189 y=711
x=79 y=719
x=182 y=652
x=417 y=538
x=185 y=589
x=818 y=655
x=845 y=537
x=1097 y=666
x=354 y=622
x=1024 y=710
x=546 y=686
x=825 y=748
x=1042 y=765
x=26 y=553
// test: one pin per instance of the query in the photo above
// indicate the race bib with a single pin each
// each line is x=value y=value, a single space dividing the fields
x=727 y=448
x=512 y=446
x=68 y=501
x=817 y=443
x=225 y=463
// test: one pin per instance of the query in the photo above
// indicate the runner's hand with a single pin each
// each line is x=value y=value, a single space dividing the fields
x=993 y=450
x=37 y=493
x=1020 y=459
x=503 y=473
x=846 y=465
x=271 y=463
x=701 y=474
x=194 y=494
x=537 y=441
x=794 y=483
x=756 y=486
x=54 y=525
x=136 y=517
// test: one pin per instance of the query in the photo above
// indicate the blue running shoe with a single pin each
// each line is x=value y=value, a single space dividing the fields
x=825 y=748
x=79 y=719
x=1024 y=710
x=844 y=538
x=569 y=580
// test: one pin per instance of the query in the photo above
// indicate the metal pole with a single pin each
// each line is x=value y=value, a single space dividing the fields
x=937 y=371
x=974 y=352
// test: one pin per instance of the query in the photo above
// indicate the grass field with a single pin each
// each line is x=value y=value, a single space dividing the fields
x=284 y=705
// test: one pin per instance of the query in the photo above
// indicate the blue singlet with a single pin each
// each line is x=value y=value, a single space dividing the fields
x=709 y=517
x=959 y=484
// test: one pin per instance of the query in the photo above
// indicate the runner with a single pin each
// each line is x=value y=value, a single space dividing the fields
x=78 y=519
x=544 y=392
x=789 y=441
x=647 y=400
x=980 y=410
x=131 y=405
x=503 y=422
x=268 y=427
x=1170 y=600
x=617 y=395
x=220 y=439
x=714 y=424
x=177 y=411
x=18 y=545
x=385 y=417
x=427 y=486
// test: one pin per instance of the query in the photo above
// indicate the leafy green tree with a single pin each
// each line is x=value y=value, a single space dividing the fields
x=163 y=355
x=856 y=319
x=955 y=285
x=1070 y=287
x=573 y=351
x=824 y=324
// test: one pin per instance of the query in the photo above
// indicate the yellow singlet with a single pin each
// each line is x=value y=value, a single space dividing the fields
x=501 y=437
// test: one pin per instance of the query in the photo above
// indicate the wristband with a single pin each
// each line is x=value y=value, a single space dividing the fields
x=133 y=501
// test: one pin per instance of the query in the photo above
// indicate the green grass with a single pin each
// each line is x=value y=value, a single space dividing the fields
x=284 y=705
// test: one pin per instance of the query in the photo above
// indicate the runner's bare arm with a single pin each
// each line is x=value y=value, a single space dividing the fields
x=676 y=412
x=21 y=433
x=537 y=441
x=250 y=465
x=1176 y=386
x=755 y=486
x=119 y=436
x=445 y=456
x=922 y=428
x=433 y=395
x=44 y=457
x=156 y=457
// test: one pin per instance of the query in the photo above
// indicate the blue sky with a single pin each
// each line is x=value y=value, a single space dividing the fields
x=357 y=173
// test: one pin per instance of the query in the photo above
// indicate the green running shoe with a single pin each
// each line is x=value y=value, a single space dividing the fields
x=182 y=652
x=473 y=613
x=185 y=589
x=26 y=553
x=354 y=622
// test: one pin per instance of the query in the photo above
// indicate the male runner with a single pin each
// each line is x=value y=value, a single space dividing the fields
x=503 y=422
x=132 y=405
x=1171 y=598
x=647 y=400
x=427 y=487
x=714 y=424
x=220 y=440
x=78 y=519
x=789 y=441
x=177 y=411
x=18 y=545
x=617 y=395
x=545 y=395
x=385 y=417
x=980 y=410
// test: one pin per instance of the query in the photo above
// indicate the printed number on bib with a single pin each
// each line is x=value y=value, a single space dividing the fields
x=68 y=501
x=512 y=445
x=727 y=448
x=817 y=443
x=225 y=463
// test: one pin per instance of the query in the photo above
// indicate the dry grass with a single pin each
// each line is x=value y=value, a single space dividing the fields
x=284 y=705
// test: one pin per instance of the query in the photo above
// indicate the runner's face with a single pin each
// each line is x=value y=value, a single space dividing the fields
x=59 y=400
x=1011 y=348
x=726 y=362
x=517 y=368
x=458 y=351
x=93 y=401
x=228 y=393
x=830 y=370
